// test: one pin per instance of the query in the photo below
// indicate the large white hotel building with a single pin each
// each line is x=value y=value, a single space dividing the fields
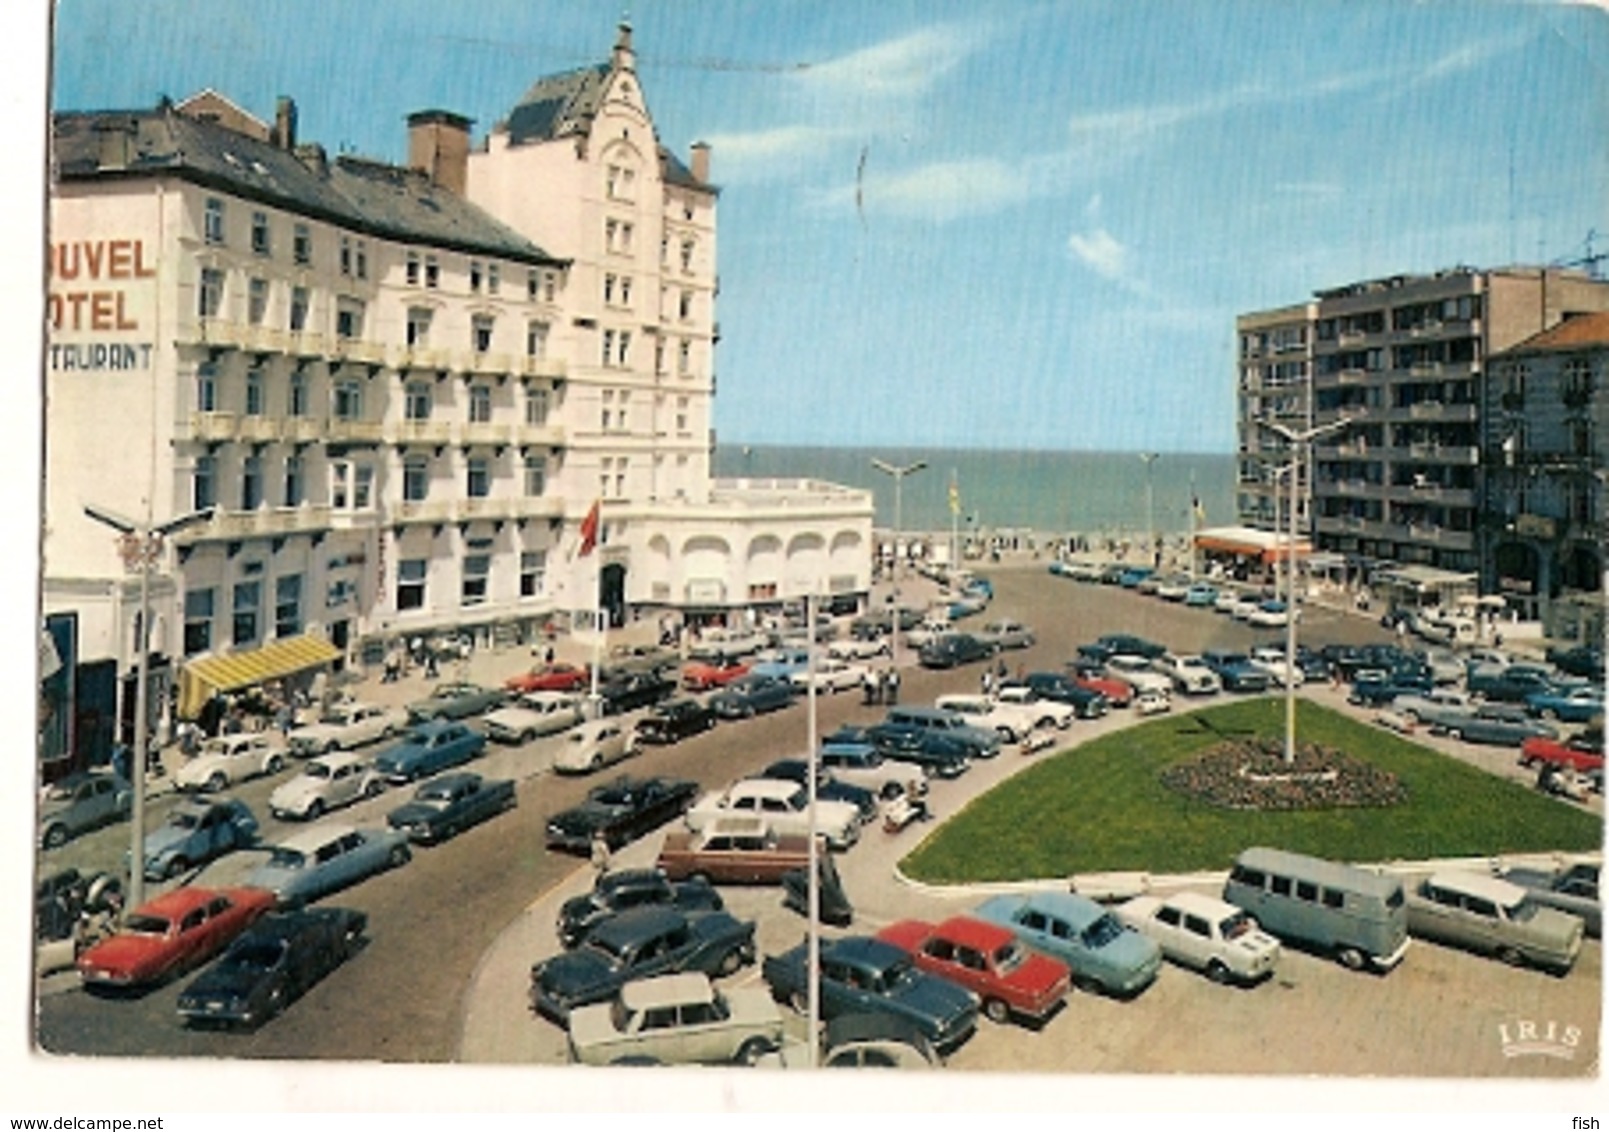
x=399 y=388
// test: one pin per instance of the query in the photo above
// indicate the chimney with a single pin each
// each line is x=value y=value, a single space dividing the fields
x=285 y=124
x=625 y=59
x=312 y=155
x=701 y=162
x=115 y=142
x=438 y=146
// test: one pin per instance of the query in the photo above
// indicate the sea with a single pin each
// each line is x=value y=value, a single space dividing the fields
x=1052 y=492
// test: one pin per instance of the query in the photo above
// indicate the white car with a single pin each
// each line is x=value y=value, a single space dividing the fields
x=1006 y=635
x=229 y=759
x=326 y=782
x=677 y=1020
x=1137 y=673
x=1173 y=588
x=1271 y=615
x=927 y=631
x=1206 y=933
x=1189 y=674
x=1427 y=707
x=1226 y=601
x=853 y=648
x=594 y=745
x=784 y=806
x=832 y=675
x=1244 y=605
x=1047 y=713
x=1012 y=721
x=869 y=770
x=1151 y=702
x=534 y=714
x=725 y=642
x=1271 y=659
x=347 y=725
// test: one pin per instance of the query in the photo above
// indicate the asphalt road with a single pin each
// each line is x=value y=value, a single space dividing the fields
x=430 y=923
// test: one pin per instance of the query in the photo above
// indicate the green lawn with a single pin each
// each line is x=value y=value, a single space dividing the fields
x=1101 y=807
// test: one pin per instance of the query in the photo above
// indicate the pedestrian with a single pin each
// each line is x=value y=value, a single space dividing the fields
x=431 y=668
x=393 y=665
x=189 y=738
x=988 y=681
x=547 y=657
x=121 y=760
x=893 y=686
x=284 y=717
x=600 y=853
x=868 y=686
x=1000 y=673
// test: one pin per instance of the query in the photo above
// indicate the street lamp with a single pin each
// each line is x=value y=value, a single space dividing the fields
x=1150 y=527
x=1294 y=440
x=899 y=474
x=813 y=877
x=140 y=545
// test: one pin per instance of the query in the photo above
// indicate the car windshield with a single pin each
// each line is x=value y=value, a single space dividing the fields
x=898 y=973
x=436 y=798
x=283 y=858
x=316 y=770
x=216 y=747
x=1233 y=927
x=60 y=790
x=606 y=949
x=141 y=924
x=254 y=957
x=336 y=717
x=1008 y=957
x=184 y=819
x=1102 y=932
x=1522 y=911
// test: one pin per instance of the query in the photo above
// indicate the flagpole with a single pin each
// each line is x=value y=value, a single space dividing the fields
x=1195 y=516
x=955 y=522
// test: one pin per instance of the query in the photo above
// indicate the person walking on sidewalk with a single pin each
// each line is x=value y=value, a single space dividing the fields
x=892 y=680
x=600 y=853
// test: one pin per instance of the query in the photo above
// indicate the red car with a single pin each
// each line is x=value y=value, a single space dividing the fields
x=702 y=675
x=1582 y=753
x=1117 y=692
x=550 y=678
x=173 y=933
x=987 y=960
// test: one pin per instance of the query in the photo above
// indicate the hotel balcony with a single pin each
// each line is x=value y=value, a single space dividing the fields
x=488 y=362
x=342 y=431
x=263 y=522
x=536 y=507
x=212 y=426
x=541 y=367
x=303 y=430
x=357 y=350
x=540 y=436
x=1444 y=537
x=258 y=429
x=238 y=335
x=422 y=432
x=424 y=511
x=423 y=357
x=486 y=432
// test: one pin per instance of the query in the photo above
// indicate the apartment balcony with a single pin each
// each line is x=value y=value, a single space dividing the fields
x=1443 y=537
x=1459 y=455
x=342 y=431
x=1462 y=412
x=357 y=350
x=489 y=362
x=1434 y=493
x=302 y=430
x=539 y=436
x=258 y=429
x=264 y=522
x=212 y=426
x=423 y=357
x=424 y=511
x=486 y=432
x=536 y=507
x=1351 y=338
x=1428 y=329
x=1425 y=369
x=1353 y=488
x=485 y=507
x=423 y=432
x=552 y=368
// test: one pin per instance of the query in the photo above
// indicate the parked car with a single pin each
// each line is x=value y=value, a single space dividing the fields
x=733 y=849
x=1203 y=932
x=953 y=649
x=783 y=662
x=621 y=890
x=1271 y=659
x=1493 y=916
x=1046 y=713
x=635 y=945
x=627 y=691
x=1352 y=913
x=725 y=642
x=1131 y=577
x=558 y=677
x=717 y=672
x=1152 y=702
x=62 y=897
x=673 y=721
x=1505 y=725
x=988 y=960
x=458 y=700
x=449 y=804
x=325 y=783
x=1201 y=595
x=676 y=1020
x=1567 y=705
x=533 y=715
x=876 y=1041
x=941 y=756
x=429 y=748
x=1126 y=644
x=859 y=648
x=1272 y=614
x=783 y=806
x=1375 y=688
x=229 y=759
x=594 y=745
x=1582 y=752
x=620 y=811
x=1136 y=671
x=324 y=858
x=1188 y=674
x=751 y=695
x=346 y=725
x=1011 y=721
x=1579 y=660
x=861 y=975
x=1173 y=587
x=1430 y=708
x=173 y=933
x=1515 y=684
x=830 y=675
x=1000 y=635
x=1245 y=605
x=832 y=789
x=1055 y=686
x=1235 y=671
x=1091 y=940
x=851 y=757
x=980 y=742
x=1573 y=890
x=194 y=833
x=81 y=802
x=276 y=961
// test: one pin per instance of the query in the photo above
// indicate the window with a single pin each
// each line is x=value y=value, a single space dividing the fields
x=536 y=339
x=297 y=404
x=684 y=357
x=536 y=407
x=481 y=333
x=212 y=229
x=254 y=393
x=684 y=306
x=687 y=255
x=625 y=348
x=480 y=404
x=298 y=313
x=209 y=297
x=346 y=255
x=608 y=346
x=536 y=475
x=251 y=482
x=348 y=400
x=288 y=605
x=198 y=621
x=479 y=480
x=260 y=233
x=1334 y=898
x=256 y=301
x=412 y=269
x=1307 y=890
x=348 y=318
x=415 y=478
x=362 y=259
x=295 y=480
x=204 y=483
x=416 y=401
x=681 y=414
x=418 y=327
x=207 y=389
x=659 y=356
x=1279 y=886
x=411 y=573
x=474 y=276
x=432 y=272
x=533 y=285
x=247 y=599
x=609 y=288
x=492 y=279
x=477 y=567
x=301 y=245
x=363 y=487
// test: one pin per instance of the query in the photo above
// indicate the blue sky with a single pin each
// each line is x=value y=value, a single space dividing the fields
x=999 y=224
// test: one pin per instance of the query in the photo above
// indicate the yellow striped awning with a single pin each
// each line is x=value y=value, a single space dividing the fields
x=205 y=676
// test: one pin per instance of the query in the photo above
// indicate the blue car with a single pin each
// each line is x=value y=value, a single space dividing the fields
x=1133 y=576
x=1099 y=948
x=781 y=663
x=326 y=858
x=427 y=749
x=195 y=833
x=1568 y=705
x=1236 y=671
x=1201 y=595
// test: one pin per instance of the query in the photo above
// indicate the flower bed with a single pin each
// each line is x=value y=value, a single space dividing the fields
x=1251 y=774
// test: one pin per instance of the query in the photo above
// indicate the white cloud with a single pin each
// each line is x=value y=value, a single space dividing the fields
x=762 y=155
x=1470 y=56
x=1101 y=252
x=904 y=67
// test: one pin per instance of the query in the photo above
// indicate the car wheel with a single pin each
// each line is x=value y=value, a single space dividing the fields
x=55 y=837
x=527 y=735
x=1217 y=972
x=372 y=788
x=597 y=761
x=399 y=856
x=729 y=963
x=750 y=1052
x=175 y=867
x=275 y=765
x=315 y=809
x=1511 y=956
x=996 y=1011
x=331 y=747
x=1351 y=958
x=800 y=1001
x=218 y=781
x=1455 y=734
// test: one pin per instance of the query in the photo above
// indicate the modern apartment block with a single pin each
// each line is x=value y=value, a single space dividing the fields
x=1404 y=359
x=1275 y=384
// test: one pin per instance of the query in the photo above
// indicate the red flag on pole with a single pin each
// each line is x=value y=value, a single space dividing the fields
x=589 y=529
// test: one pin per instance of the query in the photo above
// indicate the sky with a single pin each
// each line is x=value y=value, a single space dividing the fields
x=989 y=223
